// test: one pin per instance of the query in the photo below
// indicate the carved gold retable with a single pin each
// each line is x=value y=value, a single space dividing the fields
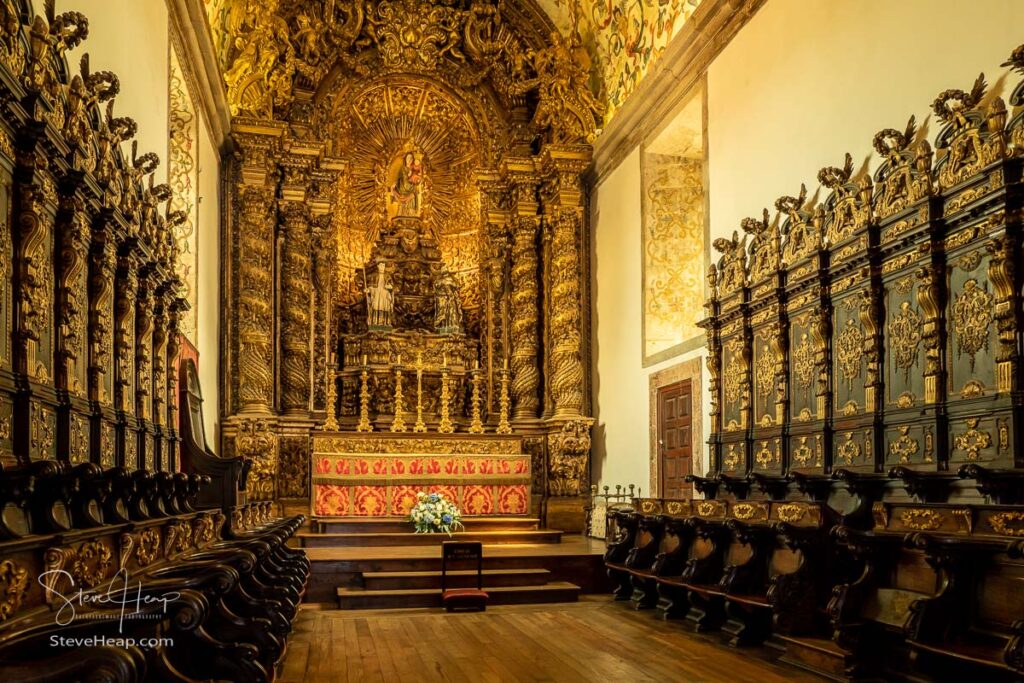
x=448 y=141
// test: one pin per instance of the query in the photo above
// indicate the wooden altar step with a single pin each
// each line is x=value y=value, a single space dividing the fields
x=360 y=598
x=492 y=578
x=409 y=538
x=333 y=525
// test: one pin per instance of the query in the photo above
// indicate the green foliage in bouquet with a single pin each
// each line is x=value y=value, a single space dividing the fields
x=433 y=513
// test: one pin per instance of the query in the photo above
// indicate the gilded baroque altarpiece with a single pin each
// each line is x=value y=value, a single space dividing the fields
x=406 y=230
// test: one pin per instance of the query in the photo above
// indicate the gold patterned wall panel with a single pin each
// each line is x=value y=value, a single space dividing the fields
x=182 y=176
x=674 y=234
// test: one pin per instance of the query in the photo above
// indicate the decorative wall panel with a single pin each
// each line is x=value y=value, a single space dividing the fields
x=183 y=176
x=673 y=251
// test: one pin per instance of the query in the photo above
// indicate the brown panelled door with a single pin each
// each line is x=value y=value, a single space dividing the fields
x=675 y=445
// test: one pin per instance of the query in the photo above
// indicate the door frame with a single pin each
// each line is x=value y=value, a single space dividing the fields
x=661 y=453
x=693 y=370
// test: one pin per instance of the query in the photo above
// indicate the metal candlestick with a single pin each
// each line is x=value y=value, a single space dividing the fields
x=445 y=425
x=364 y=403
x=476 y=426
x=331 y=423
x=398 y=424
x=420 y=426
x=504 y=403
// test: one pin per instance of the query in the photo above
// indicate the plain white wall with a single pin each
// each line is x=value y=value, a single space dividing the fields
x=804 y=82
x=208 y=279
x=621 y=439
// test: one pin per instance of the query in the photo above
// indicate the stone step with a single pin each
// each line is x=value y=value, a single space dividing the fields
x=308 y=540
x=456 y=579
x=333 y=525
x=561 y=591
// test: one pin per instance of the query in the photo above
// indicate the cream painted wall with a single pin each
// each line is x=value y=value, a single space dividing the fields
x=805 y=82
x=802 y=83
x=208 y=277
x=129 y=37
x=621 y=441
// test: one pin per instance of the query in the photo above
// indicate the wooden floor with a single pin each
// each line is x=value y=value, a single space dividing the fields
x=563 y=642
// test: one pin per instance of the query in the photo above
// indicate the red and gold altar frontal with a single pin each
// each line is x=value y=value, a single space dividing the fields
x=379 y=475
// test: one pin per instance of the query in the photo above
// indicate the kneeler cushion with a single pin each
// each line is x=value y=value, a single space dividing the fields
x=455 y=598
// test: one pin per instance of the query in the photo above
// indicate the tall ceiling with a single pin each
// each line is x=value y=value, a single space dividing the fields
x=623 y=38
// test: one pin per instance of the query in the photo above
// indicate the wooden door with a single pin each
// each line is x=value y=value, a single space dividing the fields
x=675 y=445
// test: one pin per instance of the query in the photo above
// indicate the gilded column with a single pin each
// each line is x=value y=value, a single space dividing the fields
x=296 y=305
x=524 y=333
x=72 y=308
x=522 y=181
x=126 y=288
x=252 y=358
x=323 y=286
x=173 y=348
x=493 y=271
x=568 y=440
x=102 y=271
x=563 y=203
x=144 y=346
x=72 y=339
x=566 y=383
x=255 y=318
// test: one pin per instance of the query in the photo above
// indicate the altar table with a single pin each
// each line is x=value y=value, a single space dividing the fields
x=379 y=474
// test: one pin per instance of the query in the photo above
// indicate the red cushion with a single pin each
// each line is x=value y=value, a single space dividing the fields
x=464 y=593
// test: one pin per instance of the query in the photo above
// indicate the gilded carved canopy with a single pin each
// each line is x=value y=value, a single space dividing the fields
x=462 y=83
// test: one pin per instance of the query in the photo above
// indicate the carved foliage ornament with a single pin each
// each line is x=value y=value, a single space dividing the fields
x=972 y=319
x=568 y=452
x=256 y=442
x=905 y=338
x=972 y=441
x=13 y=588
x=850 y=352
x=735 y=378
x=921 y=519
x=803 y=362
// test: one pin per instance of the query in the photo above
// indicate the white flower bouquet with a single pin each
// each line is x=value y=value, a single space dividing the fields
x=434 y=513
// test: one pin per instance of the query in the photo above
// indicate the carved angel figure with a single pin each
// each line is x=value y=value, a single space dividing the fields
x=732 y=271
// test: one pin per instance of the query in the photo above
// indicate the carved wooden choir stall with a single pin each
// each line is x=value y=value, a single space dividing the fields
x=864 y=512
x=93 y=509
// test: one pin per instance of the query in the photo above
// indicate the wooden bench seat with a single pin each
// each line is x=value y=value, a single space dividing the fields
x=235 y=584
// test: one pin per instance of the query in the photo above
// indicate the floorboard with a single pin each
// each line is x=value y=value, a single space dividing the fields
x=593 y=640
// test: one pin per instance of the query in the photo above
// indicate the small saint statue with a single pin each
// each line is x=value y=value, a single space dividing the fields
x=380 y=302
x=447 y=311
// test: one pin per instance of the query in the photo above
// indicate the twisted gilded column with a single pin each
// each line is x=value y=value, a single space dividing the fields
x=566 y=384
x=525 y=316
x=296 y=303
x=255 y=303
x=324 y=256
